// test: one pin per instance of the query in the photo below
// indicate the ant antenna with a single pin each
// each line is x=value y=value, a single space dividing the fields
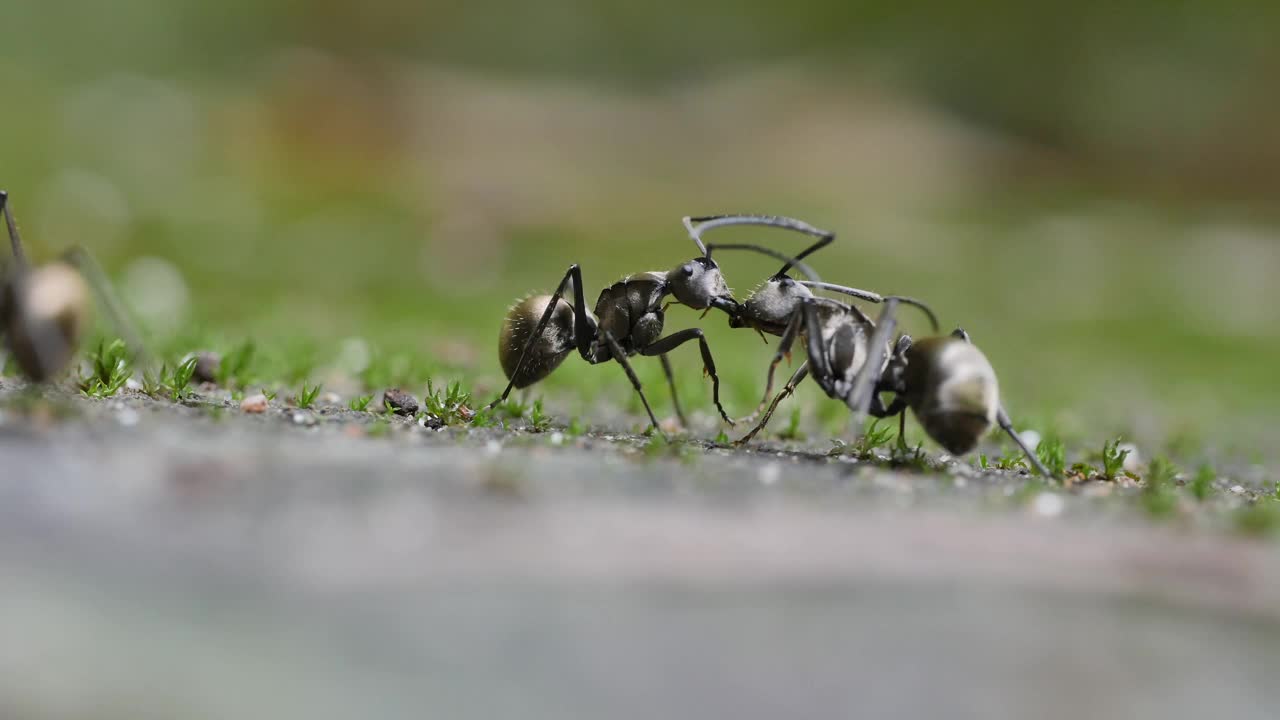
x=875 y=298
x=15 y=239
x=698 y=225
x=804 y=268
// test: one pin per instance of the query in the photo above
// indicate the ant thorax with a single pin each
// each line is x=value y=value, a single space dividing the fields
x=771 y=305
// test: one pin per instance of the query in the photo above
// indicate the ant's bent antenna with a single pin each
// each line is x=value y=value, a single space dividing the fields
x=876 y=298
x=804 y=268
x=698 y=225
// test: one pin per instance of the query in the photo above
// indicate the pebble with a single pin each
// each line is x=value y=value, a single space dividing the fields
x=304 y=418
x=400 y=402
x=769 y=474
x=331 y=398
x=254 y=403
x=430 y=422
x=1031 y=438
x=1132 y=461
x=207 y=365
x=1237 y=489
x=132 y=384
x=493 y=447
x=128 y=417
x=1048 y=504
x=557 y=438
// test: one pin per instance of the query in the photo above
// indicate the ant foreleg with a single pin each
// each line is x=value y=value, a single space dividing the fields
x=671 y=382
x=784 y=350
x=675 y=340
x=621 y=357
x=787 y=389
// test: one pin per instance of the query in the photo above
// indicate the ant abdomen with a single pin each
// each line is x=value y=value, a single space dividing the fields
x=44 y=313
x=547 y=352
x=952 y=390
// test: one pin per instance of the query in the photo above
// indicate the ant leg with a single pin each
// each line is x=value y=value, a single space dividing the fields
x=15 y=239
x=675 y=340
x=813 y=335
x=621 y=357
x=671 y=382
x=1002 y=418
x=82 y=260
x=784 y=349
x=864 y=388
x=583 y=330
x=1006 y=424
x=787 y=389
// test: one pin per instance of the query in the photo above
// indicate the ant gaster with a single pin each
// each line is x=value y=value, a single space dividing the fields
x=43 y=310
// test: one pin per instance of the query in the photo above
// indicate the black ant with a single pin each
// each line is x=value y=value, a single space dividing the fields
x=43 y=310
x=947 y=382
x=540 y=331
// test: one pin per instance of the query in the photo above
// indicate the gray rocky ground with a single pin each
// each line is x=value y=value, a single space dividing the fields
x=168 y=561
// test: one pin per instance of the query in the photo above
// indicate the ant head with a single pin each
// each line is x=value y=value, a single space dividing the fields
x=771 y=305
x=953 y=391
x=699 y=285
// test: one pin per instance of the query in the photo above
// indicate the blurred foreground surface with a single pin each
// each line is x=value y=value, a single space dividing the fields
x=158 y=565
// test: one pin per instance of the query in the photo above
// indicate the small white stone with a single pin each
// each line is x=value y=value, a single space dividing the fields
x=1048 y=504
x=1237 y=489
x=132 y=384
x=960 y=481
x=493 y=447
x=254 y=404
x=557 y=438
x=1132 y=461
x=769 y=474
x=1031 y=438
x=303 y=418
x=331 y=398
x=127 y=417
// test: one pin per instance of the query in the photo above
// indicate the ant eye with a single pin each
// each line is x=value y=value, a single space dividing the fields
x=688 y=270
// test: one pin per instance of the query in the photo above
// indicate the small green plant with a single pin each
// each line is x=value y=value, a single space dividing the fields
x=1202 y=483
x=450 y=405
x=485 y=419
x=983 y=463
x=539 y=421
x=659 y=446
x=1113 y=458
x=1083 y=470
x=307 y=396
x=512 y=408
x=1011 y=461
x=1159 y=498
x=722 y=438
x=576 y=427
x=180 y=378
x=792 y=430
x=233 y=370
x=270 y=395
x=1258 y=519
x=361 y=403
x=110 y=362
x=1053 y=454
x=873 y=437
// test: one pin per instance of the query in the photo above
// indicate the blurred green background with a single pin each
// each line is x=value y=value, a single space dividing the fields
x=1089 y=188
